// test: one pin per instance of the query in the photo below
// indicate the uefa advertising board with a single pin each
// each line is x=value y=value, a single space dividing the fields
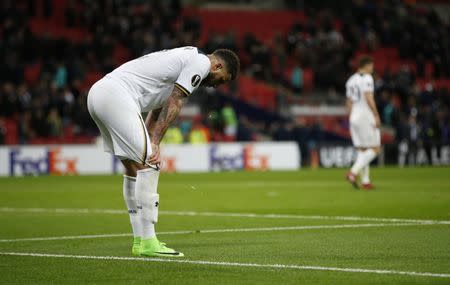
x=90 y=159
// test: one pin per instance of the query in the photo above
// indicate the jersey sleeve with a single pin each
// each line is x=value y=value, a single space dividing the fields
x=367 y=84
x=347 y=90
x=193 y=73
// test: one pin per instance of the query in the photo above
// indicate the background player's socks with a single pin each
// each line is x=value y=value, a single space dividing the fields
x=365 y=179
x=148 y=200
x=129 y=195
x=358 y=164
x=364 y=158
x=368 y=156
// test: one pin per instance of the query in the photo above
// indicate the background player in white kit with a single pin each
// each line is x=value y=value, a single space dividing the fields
x=156 y=83
x=364 y=121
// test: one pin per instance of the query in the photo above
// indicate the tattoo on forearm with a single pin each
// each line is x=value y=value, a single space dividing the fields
x=167 y=115
x=151 y=120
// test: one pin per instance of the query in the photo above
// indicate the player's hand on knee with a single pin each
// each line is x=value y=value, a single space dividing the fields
x=377 y=122
x=154 y=157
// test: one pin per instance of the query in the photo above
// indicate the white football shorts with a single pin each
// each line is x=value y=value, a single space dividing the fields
x=363 y=132
x=119 y=119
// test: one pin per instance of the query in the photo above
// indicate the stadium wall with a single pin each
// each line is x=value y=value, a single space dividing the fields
x=90 y=159
x=402 y=154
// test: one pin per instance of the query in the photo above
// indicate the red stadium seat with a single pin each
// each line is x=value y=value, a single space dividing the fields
x=12 y=136
x=121 y=55
x=90 y=79
x=32 y=72
x=242 y=22
x=308 y=79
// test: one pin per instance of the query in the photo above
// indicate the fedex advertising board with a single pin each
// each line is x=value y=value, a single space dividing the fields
x=90 y=159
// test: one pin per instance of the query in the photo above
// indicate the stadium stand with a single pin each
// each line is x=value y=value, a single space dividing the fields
x=54 y=50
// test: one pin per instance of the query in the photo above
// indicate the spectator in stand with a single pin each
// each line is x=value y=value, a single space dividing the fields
x=54 y=123
x=199 y=133
x=60 y=75
x=25 y=131
x=9 y=106
x=185 y=128
x=244 y=133
x=443 y=127
x=2 y=131
x=413 y=137
x=82 y=123
x=286 y=132
x=230 y=123
x=297 y=80
x=39 y=123
x=173 y=135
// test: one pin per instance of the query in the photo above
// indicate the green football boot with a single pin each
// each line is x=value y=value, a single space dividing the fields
x=154 y=248
x=136 y=246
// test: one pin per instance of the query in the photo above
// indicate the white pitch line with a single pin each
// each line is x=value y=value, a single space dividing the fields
x=232 y=264
x=64 y=237
x=305 y=217
x=267 y=229
x=222 y=214
x=63 y=211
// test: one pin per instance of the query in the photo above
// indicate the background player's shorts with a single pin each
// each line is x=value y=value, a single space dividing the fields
x=119 y=120
x=364 y=133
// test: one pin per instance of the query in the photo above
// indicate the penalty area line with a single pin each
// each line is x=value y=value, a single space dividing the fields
x=210 y=231
x=230 y=264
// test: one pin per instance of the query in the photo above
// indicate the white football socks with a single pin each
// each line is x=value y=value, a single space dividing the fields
x=357 y=165
x=129 y=184
x=147 y=200
x=363 y=158
x=365 y=175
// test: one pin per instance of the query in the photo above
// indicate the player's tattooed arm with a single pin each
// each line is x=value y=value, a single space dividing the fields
x=167 y=115
x=151 y=119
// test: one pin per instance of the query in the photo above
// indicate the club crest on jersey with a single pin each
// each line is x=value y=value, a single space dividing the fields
x=195 y=80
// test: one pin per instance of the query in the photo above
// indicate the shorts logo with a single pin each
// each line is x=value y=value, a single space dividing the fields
x=195 y=80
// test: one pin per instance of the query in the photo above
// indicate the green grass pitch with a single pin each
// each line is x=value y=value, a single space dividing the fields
x=322 y=231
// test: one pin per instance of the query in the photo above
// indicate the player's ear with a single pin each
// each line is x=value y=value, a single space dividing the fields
x=218 y=66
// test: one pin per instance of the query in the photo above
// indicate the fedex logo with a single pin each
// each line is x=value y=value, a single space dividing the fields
x=50 y=162
x=245 y=158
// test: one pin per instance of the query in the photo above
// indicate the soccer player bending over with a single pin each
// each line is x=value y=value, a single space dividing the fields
x=157 y=83
x=364 y=121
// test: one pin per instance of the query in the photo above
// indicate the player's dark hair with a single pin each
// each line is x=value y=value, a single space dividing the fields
x=363 y=60
x=231 y=61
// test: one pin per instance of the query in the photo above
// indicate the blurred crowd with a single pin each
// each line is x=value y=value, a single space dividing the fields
x=325 y=44
x=423 y=120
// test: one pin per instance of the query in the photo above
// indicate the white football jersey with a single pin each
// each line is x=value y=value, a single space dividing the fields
x=356 y=86
x=150 y=79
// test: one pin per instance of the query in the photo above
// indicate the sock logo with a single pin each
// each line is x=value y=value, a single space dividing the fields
x=156 y=204
x=132 y=211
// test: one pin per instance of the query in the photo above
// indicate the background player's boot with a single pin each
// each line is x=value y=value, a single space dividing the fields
x=368 y=186
x=352 y=179
x=153 y=247
x=136 y=246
